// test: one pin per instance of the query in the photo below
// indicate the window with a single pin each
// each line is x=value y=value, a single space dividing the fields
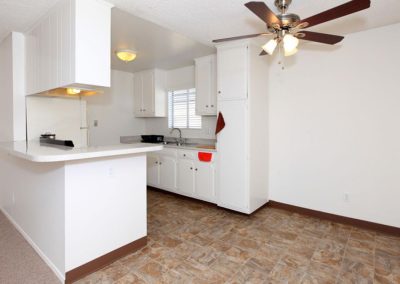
x=182 y=109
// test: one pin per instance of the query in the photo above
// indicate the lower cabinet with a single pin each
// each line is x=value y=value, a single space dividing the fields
x=153 y=170
x=168 y=173
x=187 y=176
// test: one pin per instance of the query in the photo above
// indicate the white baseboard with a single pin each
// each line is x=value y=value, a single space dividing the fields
x=49 y=263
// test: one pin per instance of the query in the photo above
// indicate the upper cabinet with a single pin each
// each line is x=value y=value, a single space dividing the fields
x=149 y=93
x=206 y=85
x=232 y=71
x=70 y=47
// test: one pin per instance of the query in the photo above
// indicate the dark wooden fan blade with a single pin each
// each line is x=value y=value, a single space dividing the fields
x=263 y=12
x=319 y=37
x=263 y=53
x=337 y=12
x=238 y=37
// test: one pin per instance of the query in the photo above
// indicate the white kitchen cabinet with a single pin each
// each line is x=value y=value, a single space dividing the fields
x=186 y=177
x=180 y=171
x=153 y=170
x=205 y=181
x=168 y=172
x=149 y=93
x=206 y=85
x=64 y=49
x=242 y=166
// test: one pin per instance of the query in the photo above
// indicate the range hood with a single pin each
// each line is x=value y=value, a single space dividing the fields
x=71 y=92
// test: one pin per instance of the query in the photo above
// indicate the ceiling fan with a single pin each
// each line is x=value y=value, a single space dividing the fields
x=287 y=27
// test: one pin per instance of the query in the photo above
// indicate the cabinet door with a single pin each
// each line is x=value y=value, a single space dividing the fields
x=153 y=170
x=137 y=95
x=232 y=156
x=186 y=177
x=148 y=92
x=232 y=72
x=168 y=173
x=205 y=188
x=205 y=86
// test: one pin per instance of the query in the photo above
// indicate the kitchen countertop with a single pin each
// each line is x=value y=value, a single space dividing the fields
x=191 y=147
x=191 y=144
x=33 y=151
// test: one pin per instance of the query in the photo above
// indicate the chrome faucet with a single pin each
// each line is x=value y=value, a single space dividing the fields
x=179 y=141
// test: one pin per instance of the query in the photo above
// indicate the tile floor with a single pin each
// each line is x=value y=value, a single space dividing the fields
x=192 y=242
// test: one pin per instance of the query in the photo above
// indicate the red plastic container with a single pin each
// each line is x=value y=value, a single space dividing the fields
x=205 y=157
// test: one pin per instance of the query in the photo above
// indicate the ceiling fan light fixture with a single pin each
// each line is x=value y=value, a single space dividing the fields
x=270 y=46
x=292 y=52
x=290 y=43
x=126 y=55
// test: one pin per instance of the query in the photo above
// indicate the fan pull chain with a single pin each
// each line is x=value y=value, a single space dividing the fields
x=281 y=58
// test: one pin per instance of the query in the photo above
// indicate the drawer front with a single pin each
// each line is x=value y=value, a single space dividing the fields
x=187 y=154
x=168 y=152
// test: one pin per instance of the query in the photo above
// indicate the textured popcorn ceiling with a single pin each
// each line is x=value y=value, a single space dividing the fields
x=19 y=15
x=184 y=29
x=205 y=20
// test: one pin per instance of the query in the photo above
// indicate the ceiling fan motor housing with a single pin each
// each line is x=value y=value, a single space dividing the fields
x=289 y=20
x=283 y=5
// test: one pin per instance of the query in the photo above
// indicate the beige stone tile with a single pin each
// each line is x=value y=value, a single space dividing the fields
x=356 y=272
x=362 y=235
x=205 y=255
x=364 y=246
x=329 y=253
x=249 y=274
x=220 y=246
x=285 y=274
x=237 y=254
x=387 y=266
x=360 y=256
x=130 y=278
x=152 y=272
x=225 y=266
x=322 y=273
x=295 y=261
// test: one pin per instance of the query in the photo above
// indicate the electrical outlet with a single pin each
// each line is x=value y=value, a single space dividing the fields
x=346 y=197
x=13 y=198
x=111 y=172
x=95 y=123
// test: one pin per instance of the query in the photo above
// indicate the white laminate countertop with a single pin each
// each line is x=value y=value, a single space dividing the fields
x=35 y=152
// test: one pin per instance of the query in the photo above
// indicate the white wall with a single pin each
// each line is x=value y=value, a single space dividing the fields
x=6 y=90
x=114 y=112
x=12 y=88
x=335 y=127
x=61 y=116
x=182 y=78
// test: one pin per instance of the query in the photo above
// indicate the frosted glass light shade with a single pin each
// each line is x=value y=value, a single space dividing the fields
x=126 y=55
x=291 y=52
x=270 y=46
x=73 y=91
x=290 y=44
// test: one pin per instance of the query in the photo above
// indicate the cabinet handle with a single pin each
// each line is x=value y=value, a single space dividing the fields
x=212 y=105
x=191 y=168
x=184 y=155
x=219 y=92
x=206 y=105
x=156 y=163
x=160 y=163
x=196 y=170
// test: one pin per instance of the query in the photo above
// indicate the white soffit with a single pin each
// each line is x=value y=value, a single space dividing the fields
x=156 y=47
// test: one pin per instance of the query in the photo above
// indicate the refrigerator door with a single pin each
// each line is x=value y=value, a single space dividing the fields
x=233 y=157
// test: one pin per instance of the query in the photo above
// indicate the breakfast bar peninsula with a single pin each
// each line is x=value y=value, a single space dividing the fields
x=80 y=209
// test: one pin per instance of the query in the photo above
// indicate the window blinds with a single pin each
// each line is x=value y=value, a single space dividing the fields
x=182 y=109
